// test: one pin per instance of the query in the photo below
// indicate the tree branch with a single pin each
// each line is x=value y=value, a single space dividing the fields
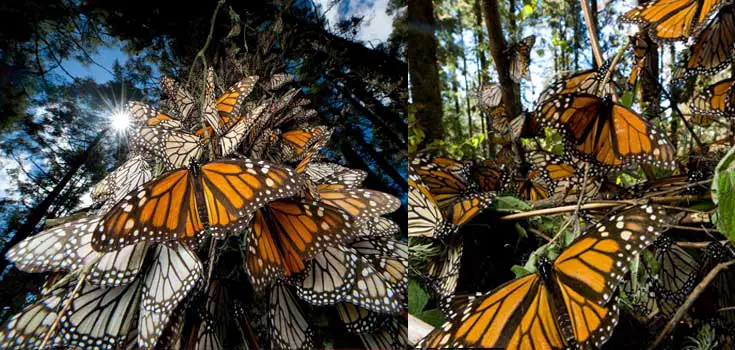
x=499 y=51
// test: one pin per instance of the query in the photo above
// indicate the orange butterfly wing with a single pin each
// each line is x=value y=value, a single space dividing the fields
x=234 y=189
x=288 y=232
x=161 y=210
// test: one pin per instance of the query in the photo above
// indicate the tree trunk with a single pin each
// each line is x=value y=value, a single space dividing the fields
x=648 y=77
x=499 y=51
x=39 y=211
x=424 y=70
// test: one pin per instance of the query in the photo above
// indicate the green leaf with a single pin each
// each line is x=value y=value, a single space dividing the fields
x=723 y=194
x=510 y=203
x=519 y=271
x=627 y=99
x=417 y=297
x=433 y=317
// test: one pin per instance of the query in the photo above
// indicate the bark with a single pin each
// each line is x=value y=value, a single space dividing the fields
x=499 y=51
x=424 y=70
x=650 y=94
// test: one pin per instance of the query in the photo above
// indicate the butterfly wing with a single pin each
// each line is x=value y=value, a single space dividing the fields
x=67 y=248
x=360 y=203
x=174 y=273
x=235 y=134
x=229 y=104
x=329 y=276
x=27 y=329
x=672 y=19
x=608 y=133
x=165 y=209
x=516 y=315
x=173 y=148
x=424 y=216
x=183 y=102
x=101 y=317
x=443 y=270
x=287 y=233
x=289 y=326
x=713 y=46
x=676 y=277
x=587 y=272
x=234 y=189
x=145 y=115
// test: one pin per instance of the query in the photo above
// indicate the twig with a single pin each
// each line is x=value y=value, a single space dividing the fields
x=540 y=234
x=66 y=307
x=698 y=245
x=566 y=209
x=201 y=52
x=596 y=50
x=690 y=300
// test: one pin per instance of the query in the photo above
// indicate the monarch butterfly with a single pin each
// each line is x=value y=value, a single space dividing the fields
x=145 y=115
x=587 y=81
x=605 y=132
x=179 y=205
x=425 y=218
x=357 y=319
x=491 y=96
x=174 y=273
x=487 y=176
x=286 y=233
x=131 y=174
x=208 y=329
x=672 y=20
x=392 y=336
x=567 y=299
x=229 y=104
x=716 y=101
x=278 y=80
x=640 y=45
x=530 y=187
x=67 y=247
x=287 y=322
x=443 y=269
x=381 y=262
x=447 y=180
x=183 y=102
x=296 y=143
x=520 y=58
x=27 y=329
x=719 y=298
x=712 y=50
x=655 y=187
x=177 y=148
x=676 y=276
x=101 y=317
x=565 y=175
x=332 y=173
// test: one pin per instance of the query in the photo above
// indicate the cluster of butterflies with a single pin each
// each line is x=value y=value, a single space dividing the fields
x=569 y=302
x=237 y=175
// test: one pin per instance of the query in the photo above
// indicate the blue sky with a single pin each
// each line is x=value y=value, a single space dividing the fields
x=105 y=57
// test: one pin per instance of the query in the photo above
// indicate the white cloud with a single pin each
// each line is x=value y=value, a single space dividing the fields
x=376 y=25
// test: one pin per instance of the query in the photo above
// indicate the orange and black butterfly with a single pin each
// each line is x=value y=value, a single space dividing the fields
x=640 y=44
x=564 y=175
x=428 y=219
x=530 y=187
x=716 y=101
x=712 y=50
x=599 y=130
x=179 y=205
x=565 y=303
x=587 y=81
x=520 y=58
x=288 y=232
x=673 y=19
